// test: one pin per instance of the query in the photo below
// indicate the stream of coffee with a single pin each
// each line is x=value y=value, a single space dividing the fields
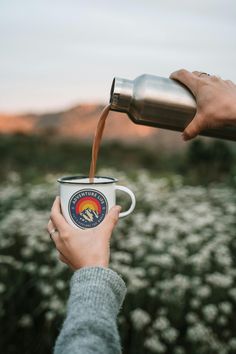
x=96 y=142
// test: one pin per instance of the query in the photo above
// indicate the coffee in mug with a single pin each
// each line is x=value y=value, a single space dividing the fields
x=85 y=205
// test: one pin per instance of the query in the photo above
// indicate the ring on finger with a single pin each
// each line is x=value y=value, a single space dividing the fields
x=202 y=73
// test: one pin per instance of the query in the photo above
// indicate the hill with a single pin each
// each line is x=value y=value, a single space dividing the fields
x=80 y=122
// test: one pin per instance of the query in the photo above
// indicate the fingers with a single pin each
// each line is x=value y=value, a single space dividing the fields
x=193 y=129
x=53 y=235
x=187 y=78
x=57 y=217
x=110 y=221
x=59 y=238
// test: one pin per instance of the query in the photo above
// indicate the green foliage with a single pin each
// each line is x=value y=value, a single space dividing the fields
x=213 y=161
x=34 y=156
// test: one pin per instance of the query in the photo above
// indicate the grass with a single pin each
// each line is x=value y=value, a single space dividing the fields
x=35 y=156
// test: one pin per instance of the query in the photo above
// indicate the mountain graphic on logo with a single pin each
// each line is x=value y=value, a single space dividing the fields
x=89 y=214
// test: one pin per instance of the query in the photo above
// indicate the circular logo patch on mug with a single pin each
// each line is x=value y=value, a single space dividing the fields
x=87 y=208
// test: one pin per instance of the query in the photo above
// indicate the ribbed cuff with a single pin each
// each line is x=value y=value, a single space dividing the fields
x=99 y=287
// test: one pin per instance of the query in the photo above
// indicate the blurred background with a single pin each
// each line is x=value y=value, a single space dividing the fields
x=177 y=251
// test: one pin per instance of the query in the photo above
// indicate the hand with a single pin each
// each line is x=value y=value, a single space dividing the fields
x=216 y=101
x=82 y=248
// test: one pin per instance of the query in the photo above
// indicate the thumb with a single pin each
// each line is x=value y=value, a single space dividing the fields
x=193 y=129
x=110 y=220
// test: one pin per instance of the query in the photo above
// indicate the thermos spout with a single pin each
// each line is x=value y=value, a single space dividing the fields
x=121 y=94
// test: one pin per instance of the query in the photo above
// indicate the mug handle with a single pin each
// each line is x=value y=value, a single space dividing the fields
x=133 y=200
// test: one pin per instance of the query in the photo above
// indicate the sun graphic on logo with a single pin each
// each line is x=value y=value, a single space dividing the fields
x=88 y=203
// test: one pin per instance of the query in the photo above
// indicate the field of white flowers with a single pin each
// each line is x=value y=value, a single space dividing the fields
x=176 y=252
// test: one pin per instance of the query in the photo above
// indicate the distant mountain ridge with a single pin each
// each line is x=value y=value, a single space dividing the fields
x=80 y=122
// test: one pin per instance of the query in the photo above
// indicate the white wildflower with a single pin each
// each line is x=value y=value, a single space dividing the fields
x=226 y=308
x=220 y=280
x=140 y=318
x=232 y=344
x=30 y=267
x=222 y=320
x=170 y=335
x=197 y=332
x=46 y=289
x=204 y=291
x=154 y=344
x=210 y=312
x=123 y=257
x=50 y=315
x=192 y=318
x=161 y=323
x=232 y=293
x=179 y=350
x=27 y=252
x=25 y=321
x=2 y=288
x=44 y=270
x=60 y=285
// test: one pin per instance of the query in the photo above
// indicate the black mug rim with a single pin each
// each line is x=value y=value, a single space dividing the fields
x=69 y=180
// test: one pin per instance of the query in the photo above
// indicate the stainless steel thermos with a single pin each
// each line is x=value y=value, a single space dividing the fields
x=159 y=102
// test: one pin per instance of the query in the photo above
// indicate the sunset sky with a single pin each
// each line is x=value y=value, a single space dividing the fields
x=58 y=53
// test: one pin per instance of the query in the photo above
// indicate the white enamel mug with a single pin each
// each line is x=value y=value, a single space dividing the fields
x=85 y=205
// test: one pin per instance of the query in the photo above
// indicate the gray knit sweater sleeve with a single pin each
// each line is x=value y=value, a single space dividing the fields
x=90 y=326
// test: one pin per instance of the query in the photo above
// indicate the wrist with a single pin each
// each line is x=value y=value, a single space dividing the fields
x=230 y=118
x=95 y=285
x=91 y=265
x=100 y=263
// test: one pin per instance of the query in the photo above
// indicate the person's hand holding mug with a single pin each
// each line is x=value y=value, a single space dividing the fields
x=82 y=248
x=216 y=101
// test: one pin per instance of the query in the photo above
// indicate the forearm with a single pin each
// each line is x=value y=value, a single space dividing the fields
x=90 y=326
